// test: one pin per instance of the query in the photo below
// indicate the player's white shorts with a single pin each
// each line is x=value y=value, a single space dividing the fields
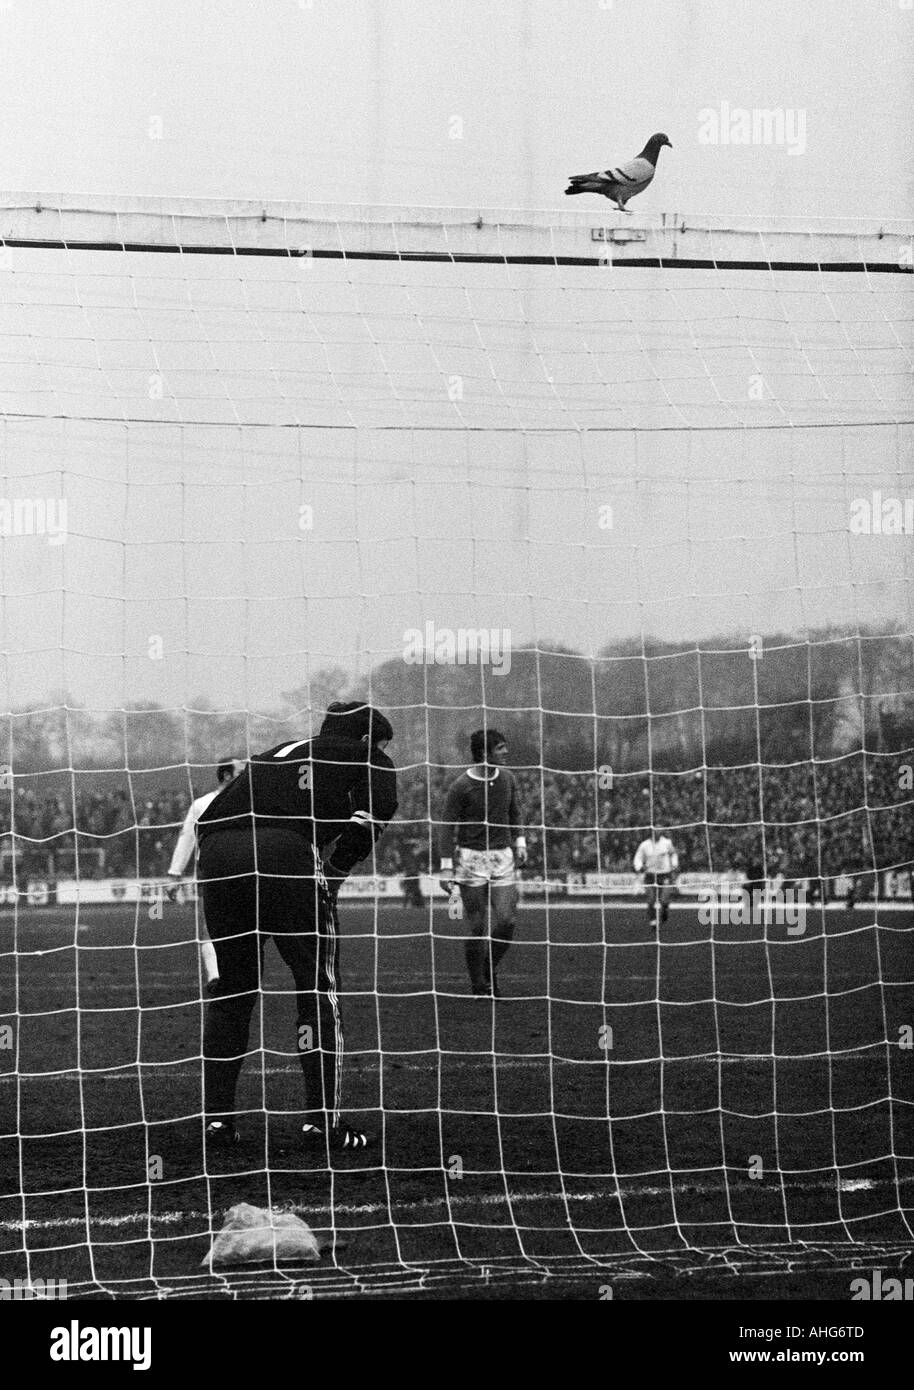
x=476 y=868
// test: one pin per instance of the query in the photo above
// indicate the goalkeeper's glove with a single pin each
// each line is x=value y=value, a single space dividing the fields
x=520 y=851
x=171 y=892
x=447 y=879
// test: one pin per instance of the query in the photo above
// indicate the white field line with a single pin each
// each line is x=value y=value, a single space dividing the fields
x=52 y=915
x=497 y=1199
x=638 y=906
x=150 y=1070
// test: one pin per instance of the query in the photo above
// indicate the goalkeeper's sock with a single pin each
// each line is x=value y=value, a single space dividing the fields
x=476 y=950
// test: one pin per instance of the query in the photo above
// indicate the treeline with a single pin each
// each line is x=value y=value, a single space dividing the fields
x=632 y=706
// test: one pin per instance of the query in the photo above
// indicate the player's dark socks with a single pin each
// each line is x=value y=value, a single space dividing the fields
x=501 y=941
x=225 y=1039
x=477 y=955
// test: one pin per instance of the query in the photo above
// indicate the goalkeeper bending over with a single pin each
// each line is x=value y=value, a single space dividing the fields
x=275 y=845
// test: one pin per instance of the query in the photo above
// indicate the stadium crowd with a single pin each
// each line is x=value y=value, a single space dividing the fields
x=850 y=815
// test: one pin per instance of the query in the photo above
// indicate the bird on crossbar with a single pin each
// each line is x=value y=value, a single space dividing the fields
x=625 y=180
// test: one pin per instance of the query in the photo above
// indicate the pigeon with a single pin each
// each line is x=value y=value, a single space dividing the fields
x=625 y=180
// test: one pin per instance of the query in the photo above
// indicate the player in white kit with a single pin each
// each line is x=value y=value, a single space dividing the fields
x=657 y=861
x=186 y=851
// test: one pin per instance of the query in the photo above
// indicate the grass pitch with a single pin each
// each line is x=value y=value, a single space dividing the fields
x=657 y=1117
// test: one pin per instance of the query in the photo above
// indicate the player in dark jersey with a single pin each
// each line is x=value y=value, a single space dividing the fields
x=481 y=847
x=275 y=846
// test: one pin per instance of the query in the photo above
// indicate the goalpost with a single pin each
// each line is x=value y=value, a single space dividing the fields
x=637 y=493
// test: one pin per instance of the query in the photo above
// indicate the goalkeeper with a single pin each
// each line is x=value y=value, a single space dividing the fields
x=275 y=846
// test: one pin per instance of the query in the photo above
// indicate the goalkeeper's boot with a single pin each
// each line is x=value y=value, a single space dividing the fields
x=344 y=1137
x=220 y=1135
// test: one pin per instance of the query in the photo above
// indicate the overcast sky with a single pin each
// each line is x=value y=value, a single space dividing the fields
x=192 y=534
x=353 y=100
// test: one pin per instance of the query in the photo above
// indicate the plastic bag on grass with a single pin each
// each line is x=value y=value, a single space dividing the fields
x=254 y=1235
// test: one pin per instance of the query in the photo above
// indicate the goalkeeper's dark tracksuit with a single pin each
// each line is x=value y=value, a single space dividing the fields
x=264 y=844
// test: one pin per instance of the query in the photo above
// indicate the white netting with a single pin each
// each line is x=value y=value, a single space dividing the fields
x=677 y=500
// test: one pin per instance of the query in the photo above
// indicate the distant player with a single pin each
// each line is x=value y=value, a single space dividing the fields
x=657 y=861
x=756 y=879
x=186 y=850
x=861 y=887
x=275 y=846
x=481 y=848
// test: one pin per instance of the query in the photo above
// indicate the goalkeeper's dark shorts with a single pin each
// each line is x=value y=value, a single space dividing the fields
x=255 y=887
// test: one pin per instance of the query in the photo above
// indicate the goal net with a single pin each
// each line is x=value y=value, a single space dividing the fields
x=639 y=497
